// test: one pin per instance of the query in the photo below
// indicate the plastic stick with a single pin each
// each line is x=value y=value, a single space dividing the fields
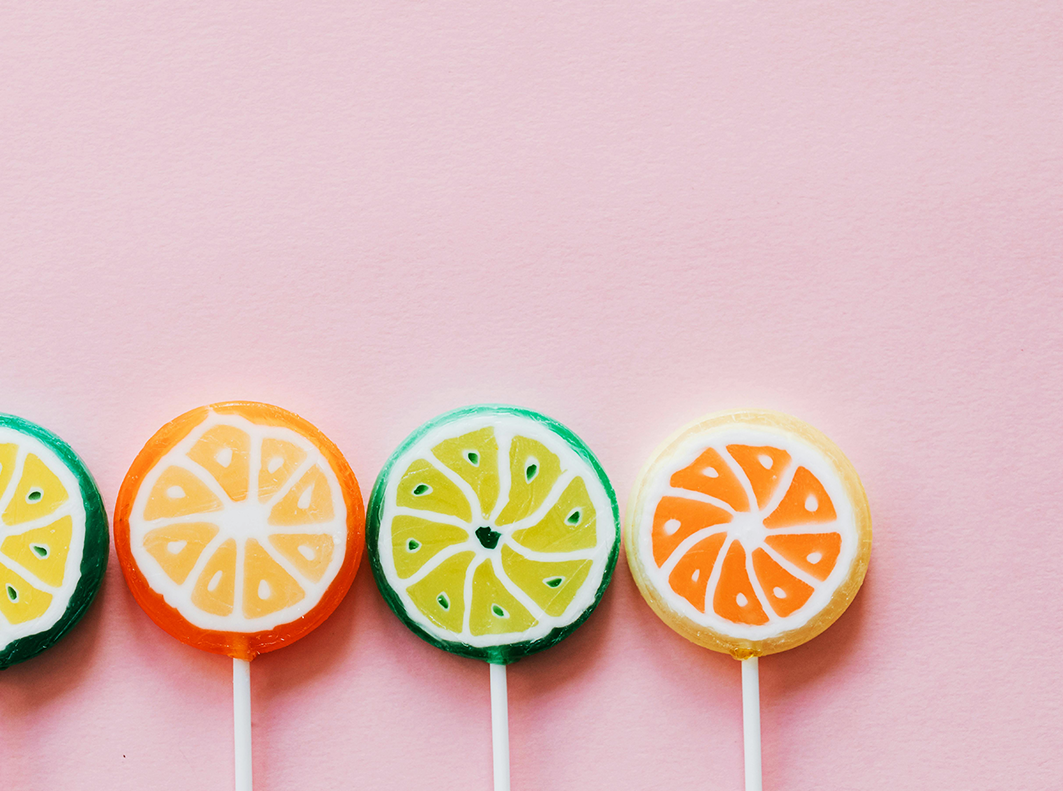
x=500 y=726
x=751 y=722
x=242 y=722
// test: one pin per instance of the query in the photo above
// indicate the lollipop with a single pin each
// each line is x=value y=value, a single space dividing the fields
x=239 y=529
x=53 y=539
x=492 y=533
x=749 y=533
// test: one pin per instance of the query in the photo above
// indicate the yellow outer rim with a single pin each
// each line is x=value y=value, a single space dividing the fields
x=709 y=638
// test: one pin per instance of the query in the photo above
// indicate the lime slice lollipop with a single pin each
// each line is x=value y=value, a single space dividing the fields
x=239 y=529
x=493 y=532
x=53 y=539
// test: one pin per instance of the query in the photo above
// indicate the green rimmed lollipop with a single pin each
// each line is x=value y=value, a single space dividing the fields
x=53 y=539
x=493 y=532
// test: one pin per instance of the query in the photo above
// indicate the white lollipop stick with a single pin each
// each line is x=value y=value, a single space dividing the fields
x=242 y=722
x=751 y=722
x=500 y=726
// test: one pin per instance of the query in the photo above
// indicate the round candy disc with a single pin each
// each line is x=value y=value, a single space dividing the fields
x=493 y=532
x=239 y=528
x=53 y=539
x=749 y=533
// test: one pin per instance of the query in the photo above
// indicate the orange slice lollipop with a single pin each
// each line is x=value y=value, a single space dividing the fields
x=239 y=528
x=749 y=533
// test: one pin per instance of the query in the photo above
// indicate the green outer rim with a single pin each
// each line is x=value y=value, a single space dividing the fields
x=93 y=558
x=511 y=652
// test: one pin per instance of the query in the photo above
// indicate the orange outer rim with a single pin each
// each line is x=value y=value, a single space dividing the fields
x=237 y=644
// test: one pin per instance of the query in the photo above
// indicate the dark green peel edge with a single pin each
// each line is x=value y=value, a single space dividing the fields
x=93 y=558
x=502 y=654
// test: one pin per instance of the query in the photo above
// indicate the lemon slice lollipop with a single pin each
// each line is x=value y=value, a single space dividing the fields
x=53 y=539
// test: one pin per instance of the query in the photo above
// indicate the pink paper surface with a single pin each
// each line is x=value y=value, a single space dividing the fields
x=624 y=215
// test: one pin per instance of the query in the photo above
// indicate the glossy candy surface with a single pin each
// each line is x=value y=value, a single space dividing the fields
x=493 y=532
x=749 y=532
x=239 y=528
x=53 y=539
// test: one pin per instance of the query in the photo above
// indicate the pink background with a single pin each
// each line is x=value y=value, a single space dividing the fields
x=625 y=216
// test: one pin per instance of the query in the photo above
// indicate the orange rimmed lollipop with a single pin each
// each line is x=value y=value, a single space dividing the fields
x=239 y=529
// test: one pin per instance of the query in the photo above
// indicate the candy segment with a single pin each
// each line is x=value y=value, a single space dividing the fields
x=533 y=471
x=310 y=554
x=415 y=541
x=8 y=456
x=474 y=456
x=813 y=553
x=805 y=502
x=267 y=586
x=280 y=460
x=763 y=467
x=426 y=488
x=676 y=519
x=42 y=551
x=441 y=594
x=785 y=593
x=176 y=548
x=19 y=600
x=215 y=589
x=569 y=525
x=39 y=493
x=225 y=452
x=179 y=493
x=309 y=502
x=494 y=609
x=690 y=576
x=551 y=585
x=735 y=600
x=711 y=475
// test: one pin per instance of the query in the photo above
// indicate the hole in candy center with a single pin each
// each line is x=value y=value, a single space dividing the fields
x=488 y=538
